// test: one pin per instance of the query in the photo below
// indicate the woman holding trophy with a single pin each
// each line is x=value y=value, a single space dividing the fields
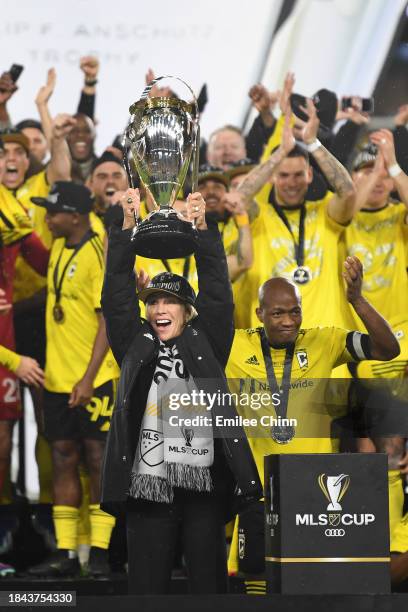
x=170 y=462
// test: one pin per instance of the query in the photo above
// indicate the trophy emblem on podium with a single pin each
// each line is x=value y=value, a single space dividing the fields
x=334 y=489
x=163 y=136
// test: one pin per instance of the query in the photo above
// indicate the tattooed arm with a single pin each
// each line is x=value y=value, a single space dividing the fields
x=341 y=206
x=261 y=174
x=240 y=255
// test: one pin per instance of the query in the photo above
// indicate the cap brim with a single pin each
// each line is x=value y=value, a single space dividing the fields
x=48 y=205
x=240 y=170
x=18 y=139
x=213 y=176
x=144 y=294
x=41 y=202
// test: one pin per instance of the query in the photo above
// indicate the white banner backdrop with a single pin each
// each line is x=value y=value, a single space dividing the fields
x=221 y=43
x=337 y=44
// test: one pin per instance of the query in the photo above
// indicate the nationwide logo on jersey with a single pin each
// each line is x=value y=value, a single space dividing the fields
x=252 y=360
x=301 y=356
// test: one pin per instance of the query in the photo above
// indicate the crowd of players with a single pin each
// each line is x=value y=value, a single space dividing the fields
x=307 y=189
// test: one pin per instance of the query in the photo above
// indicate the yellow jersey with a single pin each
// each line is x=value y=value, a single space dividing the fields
x=313 y=401
x=379 y=239
x=323 y=297
x=15 y=224
x=70 y=342
x=27 y=282
x=9 y=359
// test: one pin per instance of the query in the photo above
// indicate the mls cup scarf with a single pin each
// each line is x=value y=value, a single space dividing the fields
x=174 y=455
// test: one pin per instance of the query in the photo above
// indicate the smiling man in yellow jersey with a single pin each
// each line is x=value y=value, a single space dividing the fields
x=378 y=235
x=80 y=375
x=295 y=238
x=282 y=352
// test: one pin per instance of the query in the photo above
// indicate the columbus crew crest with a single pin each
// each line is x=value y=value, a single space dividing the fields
x=302 y=359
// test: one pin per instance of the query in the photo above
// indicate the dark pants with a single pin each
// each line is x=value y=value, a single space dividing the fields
x=152 y=530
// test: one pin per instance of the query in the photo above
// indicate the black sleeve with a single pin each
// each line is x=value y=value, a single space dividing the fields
x=120 y=305
x=86 y=105
x=343 y=143
x=401 y=146
x=214 y=302
x=257 y=138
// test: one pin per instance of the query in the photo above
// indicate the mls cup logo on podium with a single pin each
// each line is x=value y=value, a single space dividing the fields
x=334 y=488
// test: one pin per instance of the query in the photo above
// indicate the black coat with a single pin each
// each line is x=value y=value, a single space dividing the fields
x=204 y=347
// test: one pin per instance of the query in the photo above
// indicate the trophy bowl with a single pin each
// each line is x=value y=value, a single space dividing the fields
x=163 y=136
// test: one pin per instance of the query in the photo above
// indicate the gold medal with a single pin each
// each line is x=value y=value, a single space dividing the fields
x=58 y=313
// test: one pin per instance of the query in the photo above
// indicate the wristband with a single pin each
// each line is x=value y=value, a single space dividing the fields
x=394 y=170
x=313 y=146
x=241 y=220
x=90 y=82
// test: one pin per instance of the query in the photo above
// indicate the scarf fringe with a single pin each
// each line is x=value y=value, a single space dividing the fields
x=152 y=488
x=192 y=477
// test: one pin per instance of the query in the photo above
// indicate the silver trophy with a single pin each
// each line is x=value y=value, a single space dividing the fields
x=163 y=135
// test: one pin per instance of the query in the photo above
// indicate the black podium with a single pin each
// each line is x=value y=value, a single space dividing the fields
x=326 y=524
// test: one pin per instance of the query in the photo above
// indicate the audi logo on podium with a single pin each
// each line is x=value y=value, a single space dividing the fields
x=334 y=533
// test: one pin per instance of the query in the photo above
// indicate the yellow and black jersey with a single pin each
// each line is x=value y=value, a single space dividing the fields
x=9 y=359
x=70 y=341
x=36 y=186
x=323 y=297
x=15 y=224
x=26 y=281
x=312 y=399
x=379 y=239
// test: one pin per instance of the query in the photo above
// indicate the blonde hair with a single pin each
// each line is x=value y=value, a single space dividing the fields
x=191 y=312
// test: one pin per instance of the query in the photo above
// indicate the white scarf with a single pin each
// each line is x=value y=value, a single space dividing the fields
x=164 y=459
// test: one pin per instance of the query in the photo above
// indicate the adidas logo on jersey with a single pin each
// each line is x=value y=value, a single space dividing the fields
x=252 y=360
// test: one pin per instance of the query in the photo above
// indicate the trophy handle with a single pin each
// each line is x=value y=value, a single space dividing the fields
x=196 y=160
x=149 y=86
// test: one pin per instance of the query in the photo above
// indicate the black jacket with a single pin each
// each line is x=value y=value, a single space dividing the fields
x=204 y=346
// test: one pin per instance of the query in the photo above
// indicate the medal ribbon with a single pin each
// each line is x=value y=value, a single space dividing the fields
x=282 y=409
x=58 y=284
x=300 y=246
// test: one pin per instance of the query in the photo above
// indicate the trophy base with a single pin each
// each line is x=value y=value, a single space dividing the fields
x=163 y=235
